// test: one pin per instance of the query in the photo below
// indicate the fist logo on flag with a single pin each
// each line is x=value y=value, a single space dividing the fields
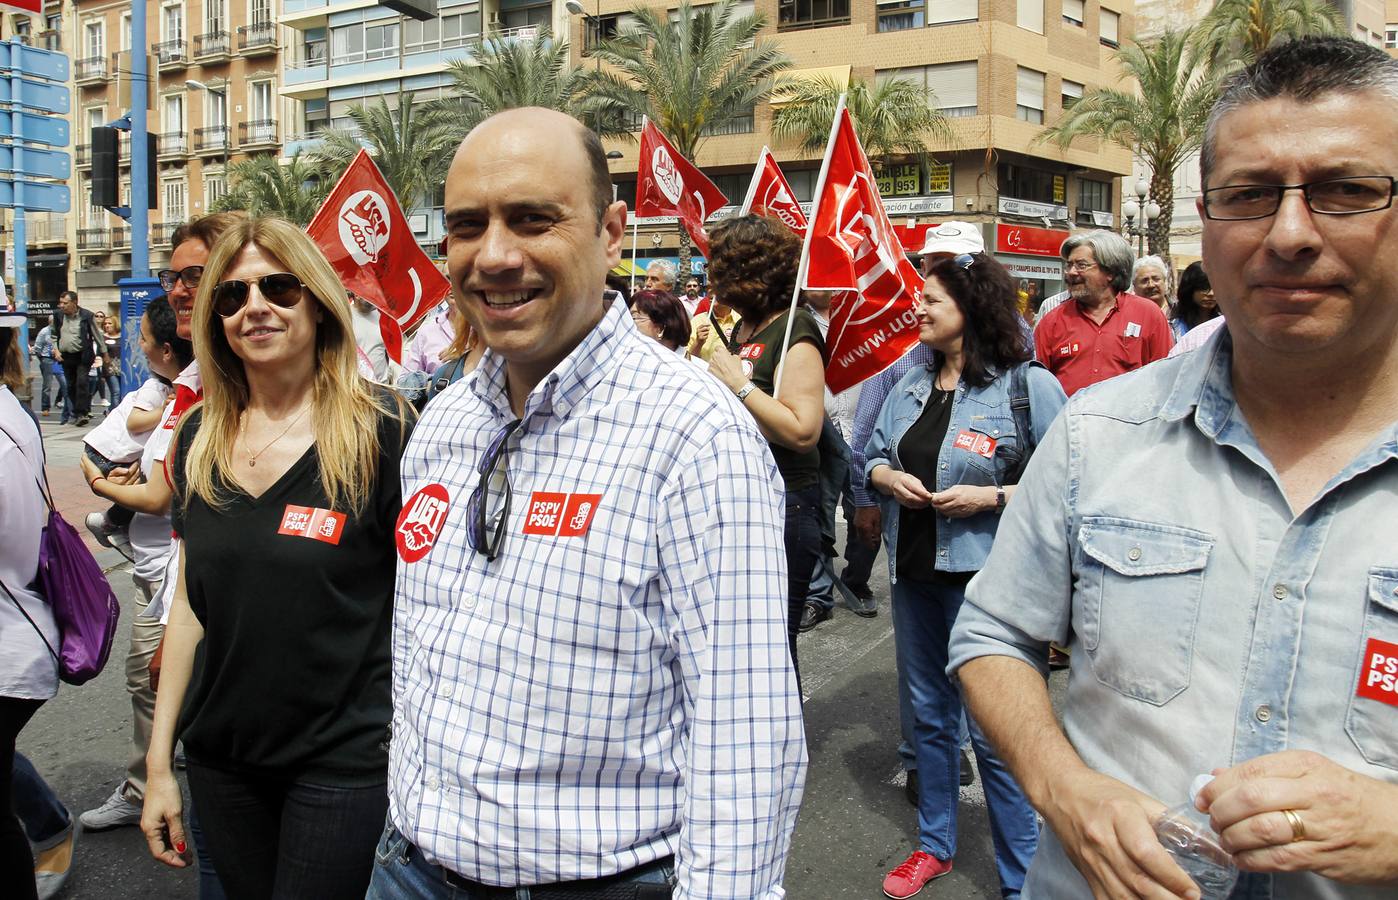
x=667 y=177
x=779 y=203
x=364 y=228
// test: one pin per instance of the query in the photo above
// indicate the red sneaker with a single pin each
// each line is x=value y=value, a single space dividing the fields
x=913 y=874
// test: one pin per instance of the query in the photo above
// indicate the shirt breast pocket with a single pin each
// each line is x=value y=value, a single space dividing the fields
x=995 y=437
x=1139 y=586
x=1372 y=719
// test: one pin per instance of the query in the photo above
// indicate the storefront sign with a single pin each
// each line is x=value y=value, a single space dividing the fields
x=1012 y=207
x=1060 y=189
x=1103 y=219
x=900 y=181
x=1021 y=267
x=1026 y=241
x=939 y=178
x=916 y=206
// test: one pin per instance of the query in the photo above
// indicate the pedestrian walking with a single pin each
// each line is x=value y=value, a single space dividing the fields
x=77 y=337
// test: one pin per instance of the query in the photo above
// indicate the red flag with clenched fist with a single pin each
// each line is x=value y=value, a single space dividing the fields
x=670 y=185
x=853 y=248
x=769 y=194
x=363 y=232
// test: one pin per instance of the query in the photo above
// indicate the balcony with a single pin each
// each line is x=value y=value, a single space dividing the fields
x=305 y=142
x=257 y=39
x=82 y=155
x=734 y=125
x=170 y=55
x=161 y=234
x=211 y=46
x=259 y=134
x=51 y=40
x=46 y=228
x=121 y=236
x=91 y=70
x=212 y=141
x=172 y=144
x=94 y=238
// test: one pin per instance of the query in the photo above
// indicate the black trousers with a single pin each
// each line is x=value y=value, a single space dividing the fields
x=16 y=862
x=79 y=392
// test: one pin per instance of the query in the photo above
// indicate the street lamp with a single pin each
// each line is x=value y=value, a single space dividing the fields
x=1148 y=211
x=575 y=8
x=195 y=84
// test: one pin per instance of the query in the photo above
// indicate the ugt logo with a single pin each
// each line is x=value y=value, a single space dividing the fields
x=364 y=226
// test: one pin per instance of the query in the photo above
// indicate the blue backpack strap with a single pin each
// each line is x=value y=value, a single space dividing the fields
x=1020 y=411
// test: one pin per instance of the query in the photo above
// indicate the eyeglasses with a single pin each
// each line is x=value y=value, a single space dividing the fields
x=281 y=288
x=189 y=276
x=640 y=318
x=1078 y=265
x=485 y=528
x=1330 y=197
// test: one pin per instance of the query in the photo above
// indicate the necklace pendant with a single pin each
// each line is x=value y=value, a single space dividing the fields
x=251 y=462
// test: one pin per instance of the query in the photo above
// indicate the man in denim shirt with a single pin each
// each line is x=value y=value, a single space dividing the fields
x=1214 y=533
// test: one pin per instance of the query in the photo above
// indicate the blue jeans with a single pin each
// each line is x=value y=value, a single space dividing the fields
x=210 y=888
x=50 y=376
x=43 y=815
x=802 y=538
x=923 y=615
x=401 y=873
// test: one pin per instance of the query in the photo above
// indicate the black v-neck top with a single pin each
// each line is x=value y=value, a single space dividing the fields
x=296 y=599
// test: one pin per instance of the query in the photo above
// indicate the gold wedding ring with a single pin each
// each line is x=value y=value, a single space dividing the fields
x=1298 y=828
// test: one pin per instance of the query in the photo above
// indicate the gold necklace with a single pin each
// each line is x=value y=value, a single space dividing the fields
x=252 y=457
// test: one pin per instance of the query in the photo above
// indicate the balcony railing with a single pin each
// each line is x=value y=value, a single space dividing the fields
x=92 y=68
x=735 y=125
x=258 y=38
x=46 y=227
x=52 y=40
x=173 y=143
x=258 y=132
x=211 y=140
x=94 y=238
x=121 y=236
x=211 y=45
x=304 y=71
x=82 y=155
x=161 y=234
x=171 y=54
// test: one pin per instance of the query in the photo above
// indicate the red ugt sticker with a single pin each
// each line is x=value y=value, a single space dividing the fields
x=420 y=522
x=560 y=515
x=312 y=522
x=1378 y=676
x=975 y=443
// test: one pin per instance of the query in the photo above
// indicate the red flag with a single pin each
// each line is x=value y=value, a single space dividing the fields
x=852 y=247
x=363 y=232
x=670 y=185
x=769 y=194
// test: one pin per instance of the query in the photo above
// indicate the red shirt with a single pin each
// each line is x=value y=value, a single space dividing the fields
x=1079 y=352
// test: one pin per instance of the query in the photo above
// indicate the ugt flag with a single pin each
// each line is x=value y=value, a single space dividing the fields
x=363 y=232
x=670 y=185
x=852 y=247
x=769 y=194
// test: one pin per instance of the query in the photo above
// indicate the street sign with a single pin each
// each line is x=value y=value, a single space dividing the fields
x=44 y=96
x=33 y=60
x=37 y=129
x=38 y=163
x=38 y=196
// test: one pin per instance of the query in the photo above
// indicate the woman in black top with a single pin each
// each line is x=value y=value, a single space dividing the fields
x=752 y=266
x=286 y=493
x=1196 y=304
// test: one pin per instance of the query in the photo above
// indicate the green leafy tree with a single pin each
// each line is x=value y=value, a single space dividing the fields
x=689 y=76
x=1235 y=32
x=264 y=187
x=1162 y=122
x=412 y=145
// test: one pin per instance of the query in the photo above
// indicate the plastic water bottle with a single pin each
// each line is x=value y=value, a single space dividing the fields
x=1185 y=832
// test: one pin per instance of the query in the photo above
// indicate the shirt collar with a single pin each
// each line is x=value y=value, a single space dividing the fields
x=1204 y=385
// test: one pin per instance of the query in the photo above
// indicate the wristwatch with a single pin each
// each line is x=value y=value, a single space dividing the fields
x=743 y=391
x=999 y=500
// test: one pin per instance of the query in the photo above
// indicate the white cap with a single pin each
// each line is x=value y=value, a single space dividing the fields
x=954 y=238
x=12 y=319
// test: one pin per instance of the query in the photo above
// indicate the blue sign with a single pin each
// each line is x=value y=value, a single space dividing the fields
x=45 y=96
x=38 y=163
x=38 y=195
x=136 y=293
x=36 y=128
x=34 y=61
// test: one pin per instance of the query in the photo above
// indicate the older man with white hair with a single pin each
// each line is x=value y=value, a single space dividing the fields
x=1150 y=278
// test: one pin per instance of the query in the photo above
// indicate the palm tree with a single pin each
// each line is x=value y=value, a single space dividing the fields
x=1235 y=32
x=893 y=118
x=688 y=77
x=513 y=72
x=411 y=146
x=1163 y=123
x=265 y=187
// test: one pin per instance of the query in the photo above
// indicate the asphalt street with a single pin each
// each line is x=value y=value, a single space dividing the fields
x=854 y=826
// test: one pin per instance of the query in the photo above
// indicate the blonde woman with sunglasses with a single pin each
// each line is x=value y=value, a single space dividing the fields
x=286 y=495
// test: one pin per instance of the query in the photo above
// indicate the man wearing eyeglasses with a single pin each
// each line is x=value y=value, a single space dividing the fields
x=1214 y=534
x=593 y=695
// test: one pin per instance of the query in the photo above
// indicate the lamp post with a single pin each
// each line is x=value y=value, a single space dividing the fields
x=1148 y=211
x=575 y=8
x=196 y=85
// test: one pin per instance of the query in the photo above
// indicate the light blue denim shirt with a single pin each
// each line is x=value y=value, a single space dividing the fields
x=1209 y=624
x=984 y=412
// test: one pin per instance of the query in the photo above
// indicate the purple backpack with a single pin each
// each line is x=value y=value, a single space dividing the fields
x=84 y=606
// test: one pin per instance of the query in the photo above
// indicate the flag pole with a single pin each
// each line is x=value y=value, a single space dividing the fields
x=806 y=245
x=752 y=185
x=635 y=220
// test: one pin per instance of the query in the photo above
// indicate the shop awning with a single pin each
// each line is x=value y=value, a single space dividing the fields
x=838 y=74
x=47 y=260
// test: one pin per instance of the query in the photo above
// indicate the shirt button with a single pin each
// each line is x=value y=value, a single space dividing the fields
x=1279 y=592
x=944 y=465
x=1264 y=713
x=941 y=552
x=446 y=691
x=432 y=783
x=1134 y=554
x=468 y=601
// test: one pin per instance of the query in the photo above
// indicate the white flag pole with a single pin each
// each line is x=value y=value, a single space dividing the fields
x=752 y=185
x=806 y=244
x=635 y=221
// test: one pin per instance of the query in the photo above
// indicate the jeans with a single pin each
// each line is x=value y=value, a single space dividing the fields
x=210 y=888
x=43 y=815
x=401 y=873
x=16 y=862
x=802 y=536
x=79 y=397
x=923 y=615
x=282 y=839
x=113 y=383
x=836 y=490
x=51 y=371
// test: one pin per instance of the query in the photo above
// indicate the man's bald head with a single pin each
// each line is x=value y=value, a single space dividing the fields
x=551 y=123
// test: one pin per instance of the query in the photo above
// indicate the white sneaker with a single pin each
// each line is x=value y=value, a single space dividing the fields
x=114 y=813
x=108 y=535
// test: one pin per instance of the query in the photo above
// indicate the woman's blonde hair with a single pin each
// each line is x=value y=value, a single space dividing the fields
x=12 y=373
x=344 y=412
x=463 y=336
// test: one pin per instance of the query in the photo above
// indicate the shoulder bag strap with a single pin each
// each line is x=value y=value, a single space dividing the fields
x=32 y=624
x=42 y=479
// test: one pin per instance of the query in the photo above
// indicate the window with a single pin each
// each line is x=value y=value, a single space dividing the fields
x=540 y=17
x=1024 y=183
x=174 y=197
x=812 y=13
x=1094 y=195
x=1390 y=37
x=260 y=101
x=215 y=108
x=381 y=41
x=172 y=22
x=596 y=30
x=1029 y=96
x=1029 y=14
x=260 y=12
x=901 y=15
x=1072 y=93
x=315 y=115
x=125 y=31
x=95 y=40
x=1110 y=23
x=347 y=45
x=461 y=28
x=941 y=12
x=421 y=36
x=1072 y=12
x=951 y=87
x=172 y=114
x=214 y=188
x=313 y=47
x=215 y=16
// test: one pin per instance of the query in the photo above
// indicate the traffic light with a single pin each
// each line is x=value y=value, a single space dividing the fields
x=106 y=178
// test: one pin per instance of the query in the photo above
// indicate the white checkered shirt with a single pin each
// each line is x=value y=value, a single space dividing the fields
x=587 y=704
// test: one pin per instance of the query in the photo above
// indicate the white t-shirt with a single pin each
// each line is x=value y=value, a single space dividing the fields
x=150 y=535
x=111 y=439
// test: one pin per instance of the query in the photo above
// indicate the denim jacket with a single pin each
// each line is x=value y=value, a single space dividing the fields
x=1210 y=623
x=978 y=414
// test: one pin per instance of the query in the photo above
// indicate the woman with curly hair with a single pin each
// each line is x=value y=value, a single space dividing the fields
x=946 y=453
x=752 y=266
x=661 y=316
x=1196 y=304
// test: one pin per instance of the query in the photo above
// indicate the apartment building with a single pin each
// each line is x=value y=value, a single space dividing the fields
x=213 y=100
